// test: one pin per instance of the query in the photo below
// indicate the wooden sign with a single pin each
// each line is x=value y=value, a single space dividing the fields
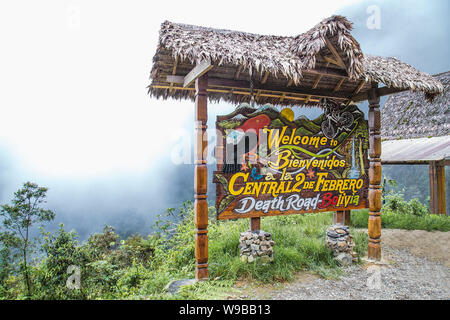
x=272 y=164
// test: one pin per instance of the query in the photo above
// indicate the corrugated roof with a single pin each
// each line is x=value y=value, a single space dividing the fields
x=416 y=150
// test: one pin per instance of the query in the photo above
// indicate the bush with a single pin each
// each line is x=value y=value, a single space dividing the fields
x=62 y=250
x=396 y=203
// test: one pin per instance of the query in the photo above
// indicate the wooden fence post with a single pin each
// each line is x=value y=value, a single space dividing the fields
x=374 y=227
x=201 y=179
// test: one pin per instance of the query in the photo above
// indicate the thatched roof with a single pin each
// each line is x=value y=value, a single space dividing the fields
x=409 y=115
x=324 y=60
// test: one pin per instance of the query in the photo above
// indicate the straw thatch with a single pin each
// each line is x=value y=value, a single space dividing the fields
x=306 y=46
x=394 y=73
x=408 y=115
x=278 y=62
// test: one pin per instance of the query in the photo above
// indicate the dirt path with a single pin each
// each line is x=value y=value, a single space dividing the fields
x=434 y=245
x=417 y=266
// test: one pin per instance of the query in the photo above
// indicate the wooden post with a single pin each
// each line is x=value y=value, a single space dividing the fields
x=347 y=218
x=255 y=224
x=342 y=217
x=433 y=187
x=437 y=188
x=339 y=217
x=374 y=249
x=201 y=179
x=442 y=207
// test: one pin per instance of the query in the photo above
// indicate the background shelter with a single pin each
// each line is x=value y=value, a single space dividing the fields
x=417 y=131
x=204 y=64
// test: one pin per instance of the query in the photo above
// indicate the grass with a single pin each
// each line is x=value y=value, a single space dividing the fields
x=393 y=220
x=299 y=246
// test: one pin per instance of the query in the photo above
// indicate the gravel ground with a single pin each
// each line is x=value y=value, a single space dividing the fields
x=406 y=276
x=409 y=270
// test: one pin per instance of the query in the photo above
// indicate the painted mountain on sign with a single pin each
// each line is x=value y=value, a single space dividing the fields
x=303 y=125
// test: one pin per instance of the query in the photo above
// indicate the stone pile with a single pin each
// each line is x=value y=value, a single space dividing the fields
x=341 y=244
x=256 y=245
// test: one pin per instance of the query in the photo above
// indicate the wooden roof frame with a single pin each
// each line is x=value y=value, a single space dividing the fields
x=262 y=89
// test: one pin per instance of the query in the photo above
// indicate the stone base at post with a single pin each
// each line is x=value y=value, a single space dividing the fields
x=256 y=245
x=341 y=244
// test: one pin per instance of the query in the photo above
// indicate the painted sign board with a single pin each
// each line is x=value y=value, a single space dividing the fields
x=272 y=164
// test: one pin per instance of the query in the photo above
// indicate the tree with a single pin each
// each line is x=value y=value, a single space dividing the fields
x=18 y=218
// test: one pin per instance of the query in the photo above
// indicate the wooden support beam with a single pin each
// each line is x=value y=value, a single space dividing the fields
x=307 y=99
x=201 y=179
x=175 y=79
x=243 y=84
x=316 y=83
x=442 y=208
x=342 y=217
x=338 y=86
x=374 y=228
x=325 y=72
x=199 y=70
x=266 y=76
x=328 y=72
x=339 y=217
x=335 y=53
x=174 y=71
x=238 y=72
x=360 y=85
x=275 y=89
x=255 y=224
x=347 y=218
x=245 y=93
x=331 y=60
x=282 y=97
x=437 y=187
x=380 y=92
x=433 y=188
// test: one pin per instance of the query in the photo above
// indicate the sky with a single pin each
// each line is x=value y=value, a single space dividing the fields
x=75 y=114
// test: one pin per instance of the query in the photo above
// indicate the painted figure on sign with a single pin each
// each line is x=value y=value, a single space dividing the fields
x=245 y=139
x=335 y=120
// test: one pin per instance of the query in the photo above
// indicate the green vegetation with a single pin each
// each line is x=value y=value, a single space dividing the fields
x=397 y=213
x=413 y=181
x=140 y=268
x=392 y=220
x=18 y=219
